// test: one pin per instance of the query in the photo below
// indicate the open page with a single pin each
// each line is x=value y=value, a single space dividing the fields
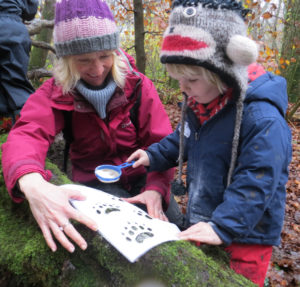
x=128 y=228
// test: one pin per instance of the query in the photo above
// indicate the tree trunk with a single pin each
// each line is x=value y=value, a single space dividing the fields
x=38 y=55
x=26 y=260
x=139 y=35
x=291 y=51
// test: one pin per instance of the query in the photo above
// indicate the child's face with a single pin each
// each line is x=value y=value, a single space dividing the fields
x=197 y=88
x=94 y=67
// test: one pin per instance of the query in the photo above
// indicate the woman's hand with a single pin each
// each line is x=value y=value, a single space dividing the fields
x=153 y=201
x=52 y=210
x=140 y=157
x=201 y=232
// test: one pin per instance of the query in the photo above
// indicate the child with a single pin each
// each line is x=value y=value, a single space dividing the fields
x=235 y=139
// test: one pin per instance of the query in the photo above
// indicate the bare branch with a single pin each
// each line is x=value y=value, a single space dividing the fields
x=43 y=45
x=123 y=5
x=38 y=73
x=37 y=25
x=154 y=33
x=132 y=47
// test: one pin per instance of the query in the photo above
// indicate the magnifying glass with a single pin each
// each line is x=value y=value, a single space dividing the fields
x=111 y=173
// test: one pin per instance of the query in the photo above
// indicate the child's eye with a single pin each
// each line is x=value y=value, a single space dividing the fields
x=192 y=80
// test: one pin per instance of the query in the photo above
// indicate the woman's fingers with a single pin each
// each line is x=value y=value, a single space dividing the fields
x=73 y=213
x=61 y=237
x=52 y=210
x=72 y=233
x=48 y=238
x=80 y=217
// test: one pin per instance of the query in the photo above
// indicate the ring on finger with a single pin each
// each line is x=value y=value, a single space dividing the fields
x=63 y=227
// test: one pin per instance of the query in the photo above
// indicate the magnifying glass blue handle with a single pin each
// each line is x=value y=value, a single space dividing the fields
x=126 y=164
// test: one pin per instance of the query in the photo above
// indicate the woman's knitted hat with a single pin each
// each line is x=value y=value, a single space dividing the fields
x=84 y=26
x=212 y=34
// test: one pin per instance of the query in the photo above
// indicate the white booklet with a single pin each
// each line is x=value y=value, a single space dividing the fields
x=128 y=228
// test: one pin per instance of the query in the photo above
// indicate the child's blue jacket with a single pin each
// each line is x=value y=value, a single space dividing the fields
x=251 y=209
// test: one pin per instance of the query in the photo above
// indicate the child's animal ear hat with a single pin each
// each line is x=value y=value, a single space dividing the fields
x=212 y=34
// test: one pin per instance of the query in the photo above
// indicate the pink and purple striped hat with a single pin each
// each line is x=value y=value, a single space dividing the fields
x=84 y=26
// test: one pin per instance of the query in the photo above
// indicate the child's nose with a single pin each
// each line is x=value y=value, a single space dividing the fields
x=183 y=86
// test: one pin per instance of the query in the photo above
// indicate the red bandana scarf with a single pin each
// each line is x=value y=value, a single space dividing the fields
x=205 y=112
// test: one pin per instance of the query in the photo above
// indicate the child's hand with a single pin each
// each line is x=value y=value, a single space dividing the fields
x=140 y=157
x=153 y=201
x=201 y=232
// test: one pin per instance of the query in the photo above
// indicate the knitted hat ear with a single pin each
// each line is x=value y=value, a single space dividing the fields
x=242 y=50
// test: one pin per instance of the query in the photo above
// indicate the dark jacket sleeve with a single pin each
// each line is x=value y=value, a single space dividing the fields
x=164 y=155
x=30 y=9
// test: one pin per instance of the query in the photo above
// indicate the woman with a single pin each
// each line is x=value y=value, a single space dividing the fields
x=100 y=85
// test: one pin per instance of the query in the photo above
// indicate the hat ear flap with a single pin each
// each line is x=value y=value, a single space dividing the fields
x=242 y=50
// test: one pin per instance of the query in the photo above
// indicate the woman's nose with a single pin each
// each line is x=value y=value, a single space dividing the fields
x=97 y=67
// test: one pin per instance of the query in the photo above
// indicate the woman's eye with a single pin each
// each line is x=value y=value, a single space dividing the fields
x=104 y=56
x=192 y=80
x=83 y=61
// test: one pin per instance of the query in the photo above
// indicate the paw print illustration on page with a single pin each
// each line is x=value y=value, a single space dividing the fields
x=128 y=228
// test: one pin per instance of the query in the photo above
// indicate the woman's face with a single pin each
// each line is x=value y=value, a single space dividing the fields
x=197 y=88
x=94 y=67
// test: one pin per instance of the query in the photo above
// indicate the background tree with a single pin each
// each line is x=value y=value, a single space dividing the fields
x=290 y=53
x=139 y=35
x=39 y=53
x=273 y=24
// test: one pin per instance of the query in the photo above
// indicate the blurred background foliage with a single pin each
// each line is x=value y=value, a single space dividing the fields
x=273 y=24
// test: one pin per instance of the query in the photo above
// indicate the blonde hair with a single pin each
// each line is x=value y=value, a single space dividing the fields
x=67 y=76
x=190 y=71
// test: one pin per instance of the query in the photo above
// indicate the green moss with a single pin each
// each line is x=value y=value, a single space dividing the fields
x=23 y=250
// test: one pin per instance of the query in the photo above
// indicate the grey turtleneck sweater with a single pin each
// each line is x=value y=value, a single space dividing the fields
x=97 y=97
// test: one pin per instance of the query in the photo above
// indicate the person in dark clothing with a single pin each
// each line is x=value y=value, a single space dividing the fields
x=15 y=46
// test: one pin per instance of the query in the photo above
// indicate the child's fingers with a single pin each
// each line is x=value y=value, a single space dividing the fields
x=133 y=156
x=137 y=163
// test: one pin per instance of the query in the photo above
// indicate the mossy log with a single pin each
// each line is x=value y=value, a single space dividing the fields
x=25 y=259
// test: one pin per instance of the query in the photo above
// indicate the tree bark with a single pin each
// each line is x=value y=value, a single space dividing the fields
x=139 y=35
x=38 y=55
x=291 y=50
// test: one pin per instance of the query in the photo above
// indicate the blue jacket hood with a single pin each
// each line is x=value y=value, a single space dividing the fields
x=271 y=88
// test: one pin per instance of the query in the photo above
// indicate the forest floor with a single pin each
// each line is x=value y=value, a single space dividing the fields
x=284 y=269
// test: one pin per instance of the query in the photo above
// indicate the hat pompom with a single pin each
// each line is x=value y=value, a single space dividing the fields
x=242 y=50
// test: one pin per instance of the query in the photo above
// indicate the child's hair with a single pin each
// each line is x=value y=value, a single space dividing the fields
x=191 y=70
x=67 y=76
